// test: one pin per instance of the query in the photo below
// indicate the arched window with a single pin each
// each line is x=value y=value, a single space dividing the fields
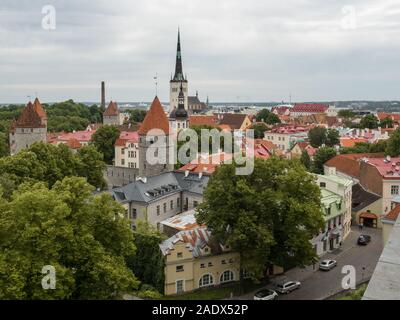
x=227 y=276
x=206 y=280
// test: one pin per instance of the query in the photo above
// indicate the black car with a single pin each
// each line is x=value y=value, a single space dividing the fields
x=364 y=239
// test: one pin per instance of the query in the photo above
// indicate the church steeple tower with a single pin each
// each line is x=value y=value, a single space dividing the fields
x=179 y=80
x=178 y=63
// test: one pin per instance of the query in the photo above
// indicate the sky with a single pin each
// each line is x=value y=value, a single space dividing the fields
x=232 y=50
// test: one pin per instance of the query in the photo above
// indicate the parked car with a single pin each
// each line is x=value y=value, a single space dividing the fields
x=265 y=295
x=288 y=286
x=364 y=239
x=327 y=265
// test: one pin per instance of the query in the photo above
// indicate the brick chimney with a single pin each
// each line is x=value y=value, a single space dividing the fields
x=103 y=95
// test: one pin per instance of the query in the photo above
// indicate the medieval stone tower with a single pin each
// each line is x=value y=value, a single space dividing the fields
x=30 y=127
x=177 y=81
x=150 y=141
x=112 y=115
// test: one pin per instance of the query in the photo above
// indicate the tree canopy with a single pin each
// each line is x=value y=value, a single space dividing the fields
x=369 y=121
x=104 y=140
x=267 y=116
x=322 y=155
x=393 y=144
x=84 y=237
x=317 y=136
x=268 y=216
x=259 y=129
x=49 y=163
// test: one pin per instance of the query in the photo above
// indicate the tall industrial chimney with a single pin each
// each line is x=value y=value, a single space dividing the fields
x=103 y=95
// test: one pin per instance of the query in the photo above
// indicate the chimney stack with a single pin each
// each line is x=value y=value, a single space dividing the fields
x=103 y=95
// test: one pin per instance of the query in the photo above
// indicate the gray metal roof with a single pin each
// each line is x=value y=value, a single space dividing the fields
x=157 y=187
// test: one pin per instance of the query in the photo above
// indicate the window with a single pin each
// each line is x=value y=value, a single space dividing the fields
x=122 y=151
x=322 y=184
x=206 y=280
x=231 y=260
x=195 y=204
x=210 y=264
x=179 y=269
x=226 y=276
x=179 y=286
x=165 y=207
x=134 y=213
x=206 y=250
x=134 y=154
x=223 y=262
x=158 y=210
x=179 y=255
x=202 y=266
x=394 y=190
x=171 y=204
x=122 y=162
x=328 y=211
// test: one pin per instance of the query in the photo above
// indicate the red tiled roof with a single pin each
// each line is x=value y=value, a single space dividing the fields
x=39 y=109
x=29 y=118
x=112 y=109
x=203 y=120
x=386 y=168
x=350 y=163
x=280 y=110
x=73 y=143
x=368 y=215
x=310 y=107
x=155 y=119
x=127 y=137
x=393 y=214
x=350 y=142
x=383 y=115
x=81 y=136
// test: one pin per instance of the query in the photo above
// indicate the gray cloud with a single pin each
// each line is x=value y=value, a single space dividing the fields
x=233 y=50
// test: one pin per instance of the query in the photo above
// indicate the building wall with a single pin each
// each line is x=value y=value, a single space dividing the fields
x=375 y=207
x=387 y=195
x=387 y=228
x=127 y=156
x=147 y=169
x=23 y=138
x=112 y=120
x=174 y=92
x=193 y=269
x=119 y=176
x=281 y=140
x=370 y=178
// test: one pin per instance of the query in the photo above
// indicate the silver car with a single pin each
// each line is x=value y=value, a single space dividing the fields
x=265 y=295
x=288 y=286
x=327 y=265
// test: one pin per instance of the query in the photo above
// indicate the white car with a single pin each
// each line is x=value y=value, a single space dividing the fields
x=327 y=265
x=265 y=295
x=288 y=286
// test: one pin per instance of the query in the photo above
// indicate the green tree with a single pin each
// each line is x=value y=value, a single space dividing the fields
x=322 y=155
x=85 y=237
x=267 y=116
x=104 y=139
x=268 y=216
x=393 y=144
x=259 y=129
x=369 y=121
x=305 y=159
x=148 y=262
x=346 y=113
x=91 y=166
x=317 y=136
x=332 y=137
x=4 y=148
x=136 y=115
x=386 y=123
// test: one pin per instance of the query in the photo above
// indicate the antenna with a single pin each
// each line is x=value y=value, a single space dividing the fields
x=156 y=83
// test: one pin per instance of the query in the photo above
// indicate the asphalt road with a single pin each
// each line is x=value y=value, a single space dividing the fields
x=317 y=285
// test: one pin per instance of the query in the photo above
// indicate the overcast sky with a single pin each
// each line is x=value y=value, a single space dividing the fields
x=233 y=50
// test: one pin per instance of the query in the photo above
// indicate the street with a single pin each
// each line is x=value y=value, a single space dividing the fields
x=318 y=285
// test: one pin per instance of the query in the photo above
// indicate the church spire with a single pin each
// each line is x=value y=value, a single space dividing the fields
x=178 y=64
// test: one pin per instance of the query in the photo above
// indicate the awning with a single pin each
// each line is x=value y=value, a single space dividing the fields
x=368 y=215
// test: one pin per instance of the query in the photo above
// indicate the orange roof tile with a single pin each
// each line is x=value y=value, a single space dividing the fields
x=393 y=214
x=203 y=120
x=350 y=142
x=29 y=118
x=39 y=109
x=155 y=119
x=73 y=143
x=112 y=109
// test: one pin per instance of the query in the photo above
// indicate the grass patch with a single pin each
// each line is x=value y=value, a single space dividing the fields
x=356 y=294
x=217 y=293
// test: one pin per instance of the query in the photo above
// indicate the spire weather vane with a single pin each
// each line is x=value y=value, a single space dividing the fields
x=156 y=83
